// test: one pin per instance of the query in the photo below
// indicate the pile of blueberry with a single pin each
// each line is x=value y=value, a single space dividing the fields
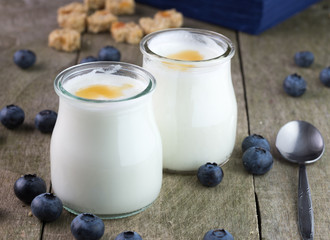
x=257 y=158
x=31 y=189
x=294 y=85
x=107 y=53
x=47 y=207
x=12 y=116
x=25 y=58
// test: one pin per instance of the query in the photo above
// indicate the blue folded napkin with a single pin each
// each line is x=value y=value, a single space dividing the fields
x=251 y=16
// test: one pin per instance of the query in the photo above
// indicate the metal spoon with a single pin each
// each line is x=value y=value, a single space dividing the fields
x=300 y=142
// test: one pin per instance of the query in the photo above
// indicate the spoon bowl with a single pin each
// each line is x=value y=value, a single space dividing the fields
x=300 y=142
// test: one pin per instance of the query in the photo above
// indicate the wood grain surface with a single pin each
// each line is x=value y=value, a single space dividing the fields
x=250 y=207
x=267 y=60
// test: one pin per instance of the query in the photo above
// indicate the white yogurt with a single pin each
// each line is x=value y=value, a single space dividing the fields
x=99 y=77
x=194 y=104
x=106 y=155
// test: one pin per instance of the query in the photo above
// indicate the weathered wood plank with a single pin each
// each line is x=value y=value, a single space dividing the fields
x=267 y=60
x=184 y=210
x=25 y=25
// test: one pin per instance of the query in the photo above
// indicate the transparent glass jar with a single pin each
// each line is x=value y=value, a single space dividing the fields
x=106 y=155
x=195 y=104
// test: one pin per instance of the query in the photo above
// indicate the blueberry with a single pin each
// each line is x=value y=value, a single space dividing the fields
x=88 y=59
x=47 y=207
x=257 y=160
x=45 y=121
x=24 y=58
x=128 y=235
x=325 y=76
x=294 y=85
x=210 y=174
x=216 y=234
x=12 y=116
x=109 y=53
x=87 y=226
x=304 y=58
x=29 y=186
x=255 y=140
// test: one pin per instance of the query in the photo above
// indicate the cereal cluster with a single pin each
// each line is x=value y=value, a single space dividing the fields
x=97 y=16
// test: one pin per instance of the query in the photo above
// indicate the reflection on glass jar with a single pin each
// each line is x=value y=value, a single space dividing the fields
x=106 y=153
x=194 y=104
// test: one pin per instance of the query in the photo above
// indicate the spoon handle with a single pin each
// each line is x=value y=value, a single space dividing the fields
x=305 y=209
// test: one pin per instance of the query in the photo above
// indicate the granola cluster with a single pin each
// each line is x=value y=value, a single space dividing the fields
x=97 y=16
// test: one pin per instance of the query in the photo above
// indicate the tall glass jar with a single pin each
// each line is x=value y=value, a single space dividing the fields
x=194 y=104
x=106 y=154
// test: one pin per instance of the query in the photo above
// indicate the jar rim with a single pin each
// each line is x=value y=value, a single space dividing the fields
x=103 y=65
x=217 y=37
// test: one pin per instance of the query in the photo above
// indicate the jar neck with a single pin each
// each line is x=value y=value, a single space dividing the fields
x=106 y=107
x=221 y=46
x=110 y=70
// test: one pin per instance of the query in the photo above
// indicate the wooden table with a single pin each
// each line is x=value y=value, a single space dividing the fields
x=250 y=207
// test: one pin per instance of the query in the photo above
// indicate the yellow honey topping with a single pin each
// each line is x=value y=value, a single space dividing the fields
x=102 y=91
x=186 y=55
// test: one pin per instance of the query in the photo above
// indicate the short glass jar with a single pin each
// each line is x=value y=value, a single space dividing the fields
x=195 y=104
x=106 y=154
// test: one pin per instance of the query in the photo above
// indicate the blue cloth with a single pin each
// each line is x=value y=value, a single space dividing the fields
x=251 y=16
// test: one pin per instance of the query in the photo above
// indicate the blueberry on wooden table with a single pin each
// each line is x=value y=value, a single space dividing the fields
x=29 y=186
x=12 y=116
x=257 y=160
x=304 y=58
x=217 y=234
x=47 y=207
x=87 y=226
x=88 y=59
x=210 y=174
x=294 y=85
x=325 y=76
x=128 y=235
x=255 y=140
x=45 y=121
x=24 y=58
x=109 y=53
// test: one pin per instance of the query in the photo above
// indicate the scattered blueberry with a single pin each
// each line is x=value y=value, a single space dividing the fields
x=294 y=85
x=47 y=207
x=12 y=116
x=304 y=58
x=87 y=226
x=210 y=174
x=45 y=121
x=29 y=186
x=257 y=160
x=24 y=58
x=255 y=140
x=88 y=59
x=216 y=234
x=109 y=53
x=128 y=235
x=325 y=76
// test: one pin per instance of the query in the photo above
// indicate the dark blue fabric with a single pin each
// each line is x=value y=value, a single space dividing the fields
x=251 y=16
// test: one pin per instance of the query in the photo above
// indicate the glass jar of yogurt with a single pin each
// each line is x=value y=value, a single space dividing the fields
x=106 y=153
x=195 y=104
